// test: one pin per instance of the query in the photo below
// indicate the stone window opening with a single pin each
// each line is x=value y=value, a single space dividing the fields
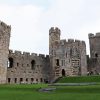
x=57 y=62
x=63 y=62
x=17 y=64
x=32 y=64
x=32 y=79
x=9 y=79
x=26 y=79
x=36 y=80
x=41 y=79
x=21 y=80
x=10 y=62
x=66 y=55
x=96 y=55
x=15 y=80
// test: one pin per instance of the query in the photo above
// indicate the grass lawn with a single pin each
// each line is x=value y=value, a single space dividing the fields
x=30 y=92
x=79 y=79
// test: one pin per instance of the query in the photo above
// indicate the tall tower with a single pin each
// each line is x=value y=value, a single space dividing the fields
x=4 y=50
x=54 y=39
x=94 y=62
x=54 y=36
x=94 y=41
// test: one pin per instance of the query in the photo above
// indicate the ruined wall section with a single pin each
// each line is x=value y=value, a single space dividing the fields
x=27 y=68
x=4 y=50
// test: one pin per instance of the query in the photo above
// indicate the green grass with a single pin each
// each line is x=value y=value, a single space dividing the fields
x=30 y=92
x=79 y=79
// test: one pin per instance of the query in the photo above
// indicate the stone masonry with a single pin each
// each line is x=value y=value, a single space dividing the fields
x=94 y=60
x=4 y=50
x=27 y=68
x=66 y=58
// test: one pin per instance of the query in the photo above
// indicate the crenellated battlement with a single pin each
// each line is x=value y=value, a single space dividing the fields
x=70 y=41
x=90 y=35
x=54 y=30
x=63 y=42
x=20 y=53
x=5 y=28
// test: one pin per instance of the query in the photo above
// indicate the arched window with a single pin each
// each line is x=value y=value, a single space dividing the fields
x=32 y=64
x=10 y=62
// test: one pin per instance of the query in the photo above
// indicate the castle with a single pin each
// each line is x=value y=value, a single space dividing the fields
x=66 y=58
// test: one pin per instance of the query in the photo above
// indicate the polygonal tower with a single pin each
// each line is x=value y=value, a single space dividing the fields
x=94 y=62
x=4 y=50
x=54 y=39
x=94 y=41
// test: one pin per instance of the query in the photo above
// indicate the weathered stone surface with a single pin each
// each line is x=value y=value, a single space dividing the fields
x=67 y=58
x=23 y=71
x=94 y=60
x=4 y=48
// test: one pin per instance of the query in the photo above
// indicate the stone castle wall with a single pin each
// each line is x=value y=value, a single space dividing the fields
x=67 y=58
x=27 y=68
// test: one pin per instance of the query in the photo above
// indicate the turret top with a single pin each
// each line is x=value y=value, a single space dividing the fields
x=54 y=30
x=5 y=27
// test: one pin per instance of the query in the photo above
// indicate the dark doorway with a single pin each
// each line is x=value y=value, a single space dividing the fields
x=63 y=72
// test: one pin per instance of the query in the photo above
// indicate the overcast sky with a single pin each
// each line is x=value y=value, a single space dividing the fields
x=31 y=20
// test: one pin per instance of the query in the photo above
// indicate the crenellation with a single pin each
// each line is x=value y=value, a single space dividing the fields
x=5 y=27
x=83 y=42
x=11 y=51
x=47 y=56
x=42 y=55
x=90 y=35
x=34 y=54
x=17 y=52
x=98 y=34
x=26 y=53
x=57 y=30
x=54 y=30
x=63 y=42
x=70 y=40
x=77 y=41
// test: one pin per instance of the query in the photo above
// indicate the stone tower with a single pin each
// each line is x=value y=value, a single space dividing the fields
x=94 y=62
x=4 y=50
x=94 y=41
x=54 y=36
x=54 y=39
